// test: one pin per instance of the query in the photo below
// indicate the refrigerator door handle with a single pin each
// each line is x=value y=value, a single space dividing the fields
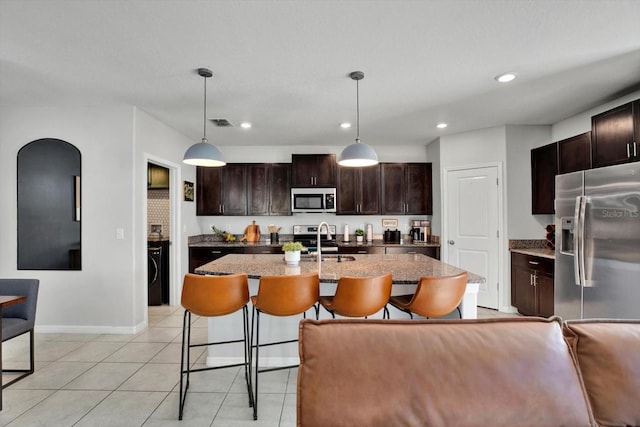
x=576 y=242
x=583 y=209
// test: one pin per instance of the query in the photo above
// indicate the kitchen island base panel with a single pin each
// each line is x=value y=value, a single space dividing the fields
x=283 y=328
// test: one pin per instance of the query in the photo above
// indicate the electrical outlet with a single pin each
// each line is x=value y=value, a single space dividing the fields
x=119 y=233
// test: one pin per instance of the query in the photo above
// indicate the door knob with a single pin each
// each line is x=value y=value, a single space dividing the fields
x=451 y=242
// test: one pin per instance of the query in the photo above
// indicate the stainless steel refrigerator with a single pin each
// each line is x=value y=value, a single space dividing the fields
x=597 y=257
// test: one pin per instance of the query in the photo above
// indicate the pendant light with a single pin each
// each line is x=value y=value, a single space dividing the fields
x=358 y=154
x=203 y=153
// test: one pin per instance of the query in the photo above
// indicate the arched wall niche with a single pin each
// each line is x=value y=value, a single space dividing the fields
x=49 y=196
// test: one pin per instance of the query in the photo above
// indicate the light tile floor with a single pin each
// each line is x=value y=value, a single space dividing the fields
x=132 y=380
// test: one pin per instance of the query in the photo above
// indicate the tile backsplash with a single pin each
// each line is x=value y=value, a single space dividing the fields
x=158 y=210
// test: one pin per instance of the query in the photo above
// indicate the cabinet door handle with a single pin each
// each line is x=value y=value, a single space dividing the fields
x=362 y=252
x=635 y=153
x=534 y=262
x=530 y=279
x=216 y=252
x=412 y=252
x=628 y=150
x=220 y=208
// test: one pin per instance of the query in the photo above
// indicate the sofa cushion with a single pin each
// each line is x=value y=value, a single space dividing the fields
x=608 y=353
x=498 y=372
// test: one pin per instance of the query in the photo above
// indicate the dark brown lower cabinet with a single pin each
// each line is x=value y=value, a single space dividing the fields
x=263 y=250
x=199 y=256
x=430 y=251
x=361 y=249
x=532 y=284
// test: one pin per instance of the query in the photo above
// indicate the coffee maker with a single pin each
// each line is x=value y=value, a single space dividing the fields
x=420 y=231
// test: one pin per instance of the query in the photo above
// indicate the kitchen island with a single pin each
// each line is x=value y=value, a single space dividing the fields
x=406 y=270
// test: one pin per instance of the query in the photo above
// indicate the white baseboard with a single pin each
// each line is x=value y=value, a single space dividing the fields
x=95 y=329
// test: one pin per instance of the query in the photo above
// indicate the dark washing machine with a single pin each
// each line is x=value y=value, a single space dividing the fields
x=155 y=275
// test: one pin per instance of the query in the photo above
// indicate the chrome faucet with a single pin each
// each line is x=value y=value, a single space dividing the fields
x=319 y=247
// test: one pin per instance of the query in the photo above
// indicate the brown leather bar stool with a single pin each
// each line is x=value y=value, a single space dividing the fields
x=280 y=296
x=434 y=296
x=359 y=296
x=211 y=296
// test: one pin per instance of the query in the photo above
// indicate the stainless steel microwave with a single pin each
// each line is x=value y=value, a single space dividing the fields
x=313 y=200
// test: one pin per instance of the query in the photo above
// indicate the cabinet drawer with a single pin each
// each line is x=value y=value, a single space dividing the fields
x=360 y=250
x=199 y=256
x=539 y=264
x=430 y=251
x=263 y=250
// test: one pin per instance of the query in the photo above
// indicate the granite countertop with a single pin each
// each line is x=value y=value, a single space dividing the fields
x=539 y=252
x=266 y=243
x=405 y=268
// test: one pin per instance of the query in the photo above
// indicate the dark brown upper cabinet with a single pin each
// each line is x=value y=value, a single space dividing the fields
x=544 y=167
x=221 y=191
x=406 y=189
x=615 y=135
x=268 y=189
x=574 y=154
x=313 y=170
x=358 y=190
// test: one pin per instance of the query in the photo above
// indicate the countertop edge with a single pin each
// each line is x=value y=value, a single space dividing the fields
x=539 y=252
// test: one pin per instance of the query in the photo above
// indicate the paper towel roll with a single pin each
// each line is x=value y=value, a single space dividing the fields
x=345 y=237
x=369 y=232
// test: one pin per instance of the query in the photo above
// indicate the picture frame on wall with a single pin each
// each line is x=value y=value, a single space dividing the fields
x=388 y=222
x=188 y=191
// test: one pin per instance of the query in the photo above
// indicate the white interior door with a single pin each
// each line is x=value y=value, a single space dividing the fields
x=472 y=222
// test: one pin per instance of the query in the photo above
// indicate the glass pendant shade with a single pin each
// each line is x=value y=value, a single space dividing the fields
x=204 y=154
x=358 y=155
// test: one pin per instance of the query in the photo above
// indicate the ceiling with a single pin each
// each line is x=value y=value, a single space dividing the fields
x=284 y=65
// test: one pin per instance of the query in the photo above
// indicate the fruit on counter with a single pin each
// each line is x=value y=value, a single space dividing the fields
x=226 y=236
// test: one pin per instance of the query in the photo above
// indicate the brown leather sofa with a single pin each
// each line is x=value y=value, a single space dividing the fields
x=493 y=372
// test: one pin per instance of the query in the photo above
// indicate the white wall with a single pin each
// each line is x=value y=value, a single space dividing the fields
x=98 y=297
x=109 y=293
x=521 y=224
x=433 y=156
x=156 y=141
x=581 y=123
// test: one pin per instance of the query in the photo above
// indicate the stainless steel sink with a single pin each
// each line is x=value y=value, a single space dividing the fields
x=327 y=258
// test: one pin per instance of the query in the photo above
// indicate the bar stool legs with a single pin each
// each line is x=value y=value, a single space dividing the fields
x=186 y=348
x=279 y=296
x=255 y=331
x=213 y=296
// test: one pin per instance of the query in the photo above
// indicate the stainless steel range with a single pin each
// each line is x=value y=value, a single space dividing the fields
x=308 y=236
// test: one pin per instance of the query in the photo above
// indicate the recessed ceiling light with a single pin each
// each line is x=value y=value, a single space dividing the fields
x=506 y=77
x=245 y=125
x=441 y=125
x=345 y=125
